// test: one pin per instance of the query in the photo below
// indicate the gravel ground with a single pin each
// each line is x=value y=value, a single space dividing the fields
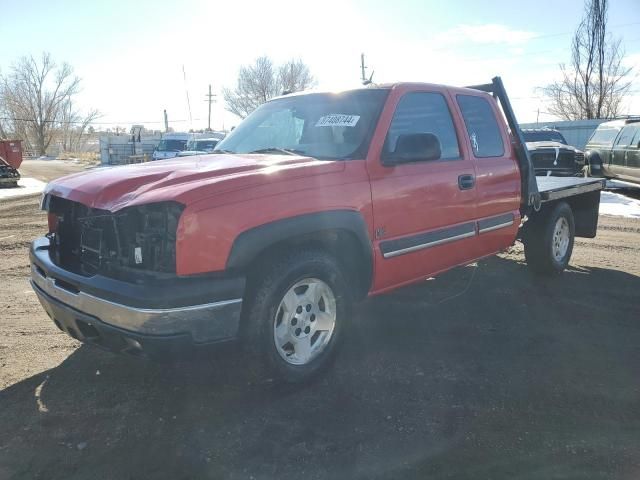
x=485 y=372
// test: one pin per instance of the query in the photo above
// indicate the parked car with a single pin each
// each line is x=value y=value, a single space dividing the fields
x=551 y=154
x=199 y=146
x=613 y=151
x=314 y=202
x=170 y=145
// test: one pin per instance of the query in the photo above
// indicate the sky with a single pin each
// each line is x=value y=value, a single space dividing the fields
x=131 y=55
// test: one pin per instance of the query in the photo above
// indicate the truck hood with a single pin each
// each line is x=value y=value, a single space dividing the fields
x=185 y=180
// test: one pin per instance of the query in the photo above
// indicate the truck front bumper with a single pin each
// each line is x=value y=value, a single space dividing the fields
x=167 y=316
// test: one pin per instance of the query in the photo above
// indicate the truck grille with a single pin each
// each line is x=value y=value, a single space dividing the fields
x=90 y=241
x=546 y=160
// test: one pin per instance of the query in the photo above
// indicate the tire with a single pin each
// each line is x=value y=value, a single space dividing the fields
x=298 y=310
x=594 y=166
x=549 y=238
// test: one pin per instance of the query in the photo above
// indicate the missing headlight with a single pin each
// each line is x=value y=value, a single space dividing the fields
x=136 y=239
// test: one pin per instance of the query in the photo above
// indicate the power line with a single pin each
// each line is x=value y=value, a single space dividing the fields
x=542 y=96
x=525 y=55
x=549 y=35
x=94 y=123
x=363 y=67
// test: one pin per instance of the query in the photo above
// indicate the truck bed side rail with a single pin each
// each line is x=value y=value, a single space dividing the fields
x=530 y=194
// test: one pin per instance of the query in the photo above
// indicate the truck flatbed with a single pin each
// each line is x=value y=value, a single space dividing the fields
x=554 y=188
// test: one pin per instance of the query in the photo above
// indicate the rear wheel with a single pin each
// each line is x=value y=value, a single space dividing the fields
x=297 y=313
x=549 y=238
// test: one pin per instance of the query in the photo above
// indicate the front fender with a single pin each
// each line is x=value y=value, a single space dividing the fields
x=249 y=244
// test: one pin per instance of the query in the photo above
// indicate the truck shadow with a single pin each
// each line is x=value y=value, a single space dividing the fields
x=484 y=372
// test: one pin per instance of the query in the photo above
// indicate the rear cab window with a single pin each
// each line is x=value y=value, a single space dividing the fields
x=482 y=127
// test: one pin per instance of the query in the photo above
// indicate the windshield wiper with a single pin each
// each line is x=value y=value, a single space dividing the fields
x=286 y=151
x=222 y=151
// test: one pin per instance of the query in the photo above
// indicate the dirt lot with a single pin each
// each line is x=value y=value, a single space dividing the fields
x=514 y=377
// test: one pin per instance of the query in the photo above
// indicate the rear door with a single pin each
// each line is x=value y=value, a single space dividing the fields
x=497 y=173
x=424 y=211
x=618 y=162
x=631 y=170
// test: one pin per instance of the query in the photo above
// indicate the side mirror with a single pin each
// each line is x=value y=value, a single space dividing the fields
x=414 y=147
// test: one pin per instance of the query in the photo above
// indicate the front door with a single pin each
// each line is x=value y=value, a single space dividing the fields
x=424 y=211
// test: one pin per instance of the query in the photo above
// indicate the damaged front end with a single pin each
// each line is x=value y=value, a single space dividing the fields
x=128 y=244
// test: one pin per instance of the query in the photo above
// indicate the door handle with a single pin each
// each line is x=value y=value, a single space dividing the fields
x=466 y=182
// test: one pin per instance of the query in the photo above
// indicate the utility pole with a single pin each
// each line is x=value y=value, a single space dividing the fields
x=363 y=67
x=210 y=99
x=166 y=122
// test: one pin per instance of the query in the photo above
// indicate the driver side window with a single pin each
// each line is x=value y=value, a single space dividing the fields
x=424 y=113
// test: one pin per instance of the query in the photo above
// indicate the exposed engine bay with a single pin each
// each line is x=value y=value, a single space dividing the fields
x=88 y=241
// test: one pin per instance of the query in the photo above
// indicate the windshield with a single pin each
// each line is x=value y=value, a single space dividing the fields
x=544 y=136
x=171 y=145
x=324 y=126
x=201 y=144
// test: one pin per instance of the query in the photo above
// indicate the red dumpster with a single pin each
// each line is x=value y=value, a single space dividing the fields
x=11 y=152
x=10 y=160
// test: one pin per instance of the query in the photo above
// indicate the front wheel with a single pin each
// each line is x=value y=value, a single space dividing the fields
x=549 y=238
x=297 y=313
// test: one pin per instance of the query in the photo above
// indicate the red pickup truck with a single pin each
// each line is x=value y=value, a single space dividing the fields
x=314 y=202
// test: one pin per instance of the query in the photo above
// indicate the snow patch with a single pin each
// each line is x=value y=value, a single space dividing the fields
x=618 y=204
x=26 y=186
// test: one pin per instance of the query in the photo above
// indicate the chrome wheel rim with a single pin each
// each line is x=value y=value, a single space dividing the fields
x=304 y=321
x=561 y=238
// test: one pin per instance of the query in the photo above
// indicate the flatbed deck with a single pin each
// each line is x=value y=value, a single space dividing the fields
x=554 y=188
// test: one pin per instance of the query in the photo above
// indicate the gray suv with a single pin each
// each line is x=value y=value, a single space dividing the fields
x=613 y=151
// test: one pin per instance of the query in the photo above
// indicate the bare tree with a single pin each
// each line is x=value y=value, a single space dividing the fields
x=596 y=82
x=72 y=131
x=294 y=76
x=33 y=96
x=3 y=129
x=262 y=81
